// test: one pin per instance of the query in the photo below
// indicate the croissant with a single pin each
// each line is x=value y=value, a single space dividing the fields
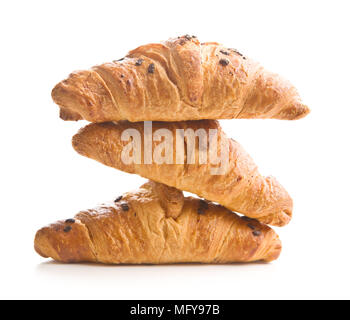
x=238 y=186
x=140 y=228
x=179 y=79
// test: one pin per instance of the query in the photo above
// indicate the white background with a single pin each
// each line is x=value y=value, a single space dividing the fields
x=43 y=179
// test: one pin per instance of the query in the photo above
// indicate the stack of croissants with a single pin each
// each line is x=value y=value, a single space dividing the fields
x=179 y=84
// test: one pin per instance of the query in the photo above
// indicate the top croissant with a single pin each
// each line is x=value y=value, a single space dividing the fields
x=178 y=79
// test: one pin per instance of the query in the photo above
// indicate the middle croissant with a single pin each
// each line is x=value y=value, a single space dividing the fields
x=240 y=188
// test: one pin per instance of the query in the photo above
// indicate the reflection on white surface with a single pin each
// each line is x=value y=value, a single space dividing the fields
x=167 y=281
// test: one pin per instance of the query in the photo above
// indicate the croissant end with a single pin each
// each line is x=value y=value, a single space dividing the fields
x=274 y=249
x=66 y=242
x=84 y=95
x=294 y=111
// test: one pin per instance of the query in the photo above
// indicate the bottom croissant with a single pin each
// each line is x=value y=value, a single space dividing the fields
x=158 y=225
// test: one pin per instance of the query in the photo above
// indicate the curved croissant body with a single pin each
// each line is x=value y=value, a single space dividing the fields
x=241 y=188
x=139 y=229
x=179 y=79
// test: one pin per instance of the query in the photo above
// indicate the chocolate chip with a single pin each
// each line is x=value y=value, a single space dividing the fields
x=225 y=52
x=70 y=221
x=256 y=233
x=251 y=226
x=201 y=211
x=118 y=199
x=188 y=37
x=236 y=51
x=239 y=178
x=249 y=219
x=67 y=229
x=121 y=59
x=224 y=62
x=122 y=76
x=151 y=68
x=138 y=62
x=203 y=204
x=125 y=206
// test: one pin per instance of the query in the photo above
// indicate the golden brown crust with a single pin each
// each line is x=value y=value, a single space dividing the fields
x=179 y=79
x=65 y=239
x=170 y=199
x=137 y=230
x=241 y=189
